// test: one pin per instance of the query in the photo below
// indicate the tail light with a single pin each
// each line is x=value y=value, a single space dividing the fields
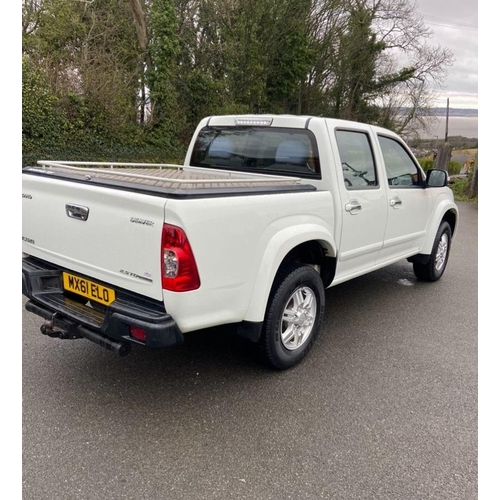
x=179 y=270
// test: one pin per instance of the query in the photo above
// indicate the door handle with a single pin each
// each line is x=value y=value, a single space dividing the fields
x=353 y=207
x=395 y=202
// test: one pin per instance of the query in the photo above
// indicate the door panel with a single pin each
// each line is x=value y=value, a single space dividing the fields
x=363 y=201
x=409 y=202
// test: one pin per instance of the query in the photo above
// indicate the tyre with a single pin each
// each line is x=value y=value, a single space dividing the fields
x=434 y=268
x=293 y=317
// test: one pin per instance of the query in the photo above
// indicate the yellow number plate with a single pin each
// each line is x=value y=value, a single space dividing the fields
x=88 y=289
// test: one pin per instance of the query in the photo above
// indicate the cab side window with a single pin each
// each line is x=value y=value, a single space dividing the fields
x=400 y=167
x=356 y=155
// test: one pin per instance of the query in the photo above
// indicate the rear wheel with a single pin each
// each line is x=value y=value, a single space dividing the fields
x=293 y=316
x=434 y=268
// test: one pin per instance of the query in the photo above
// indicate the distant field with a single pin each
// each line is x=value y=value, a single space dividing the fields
x=467 y=152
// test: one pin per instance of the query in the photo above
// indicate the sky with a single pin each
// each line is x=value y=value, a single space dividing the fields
x=455 y=26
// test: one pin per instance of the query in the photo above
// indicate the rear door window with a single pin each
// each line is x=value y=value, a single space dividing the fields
x=356 y=155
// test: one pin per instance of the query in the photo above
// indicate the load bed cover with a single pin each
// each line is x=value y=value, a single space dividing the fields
x=176 y=177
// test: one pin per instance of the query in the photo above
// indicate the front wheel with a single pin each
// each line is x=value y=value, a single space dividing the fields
x=293 y=317
x=434 y=268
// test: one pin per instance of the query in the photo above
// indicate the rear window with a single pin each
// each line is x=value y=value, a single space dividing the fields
x=281 y=151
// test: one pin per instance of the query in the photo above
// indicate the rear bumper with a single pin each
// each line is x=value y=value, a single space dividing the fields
x=42 y=284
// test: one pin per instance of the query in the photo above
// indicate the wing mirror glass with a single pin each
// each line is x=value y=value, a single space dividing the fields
x=436 y=178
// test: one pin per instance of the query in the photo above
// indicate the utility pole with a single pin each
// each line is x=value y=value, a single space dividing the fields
x=447 y=118
x=443 y=157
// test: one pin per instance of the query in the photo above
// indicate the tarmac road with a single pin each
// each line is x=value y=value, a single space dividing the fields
x=383 y=407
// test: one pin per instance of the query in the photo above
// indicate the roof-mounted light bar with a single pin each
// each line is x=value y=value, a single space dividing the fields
x=258 y=122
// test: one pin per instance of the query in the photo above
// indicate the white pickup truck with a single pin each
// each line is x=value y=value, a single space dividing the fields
x=266 y=212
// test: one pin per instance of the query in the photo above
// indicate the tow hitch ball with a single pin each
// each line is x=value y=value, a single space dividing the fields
x=60 y=328
x=50 y=329
x=77 y=332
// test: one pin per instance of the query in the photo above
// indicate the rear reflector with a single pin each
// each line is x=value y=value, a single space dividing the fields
x=178 y=266
x=138 y=333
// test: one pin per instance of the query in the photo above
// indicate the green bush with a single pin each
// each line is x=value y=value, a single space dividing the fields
x=72 y=127
x=459 y=188
x=454 y=167
x=42 y=118
x=426 y=163
x=109 y=151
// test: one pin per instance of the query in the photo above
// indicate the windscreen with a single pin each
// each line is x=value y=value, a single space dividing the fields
x=280 y=151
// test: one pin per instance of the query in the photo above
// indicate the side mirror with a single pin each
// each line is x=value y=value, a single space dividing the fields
x=436 y=178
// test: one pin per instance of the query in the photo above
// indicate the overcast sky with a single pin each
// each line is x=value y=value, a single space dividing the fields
x=455 y=23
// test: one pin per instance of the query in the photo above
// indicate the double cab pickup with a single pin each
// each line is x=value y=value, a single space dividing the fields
x=265 y=214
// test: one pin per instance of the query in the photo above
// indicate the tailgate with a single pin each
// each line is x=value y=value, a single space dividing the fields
x=118 y=243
